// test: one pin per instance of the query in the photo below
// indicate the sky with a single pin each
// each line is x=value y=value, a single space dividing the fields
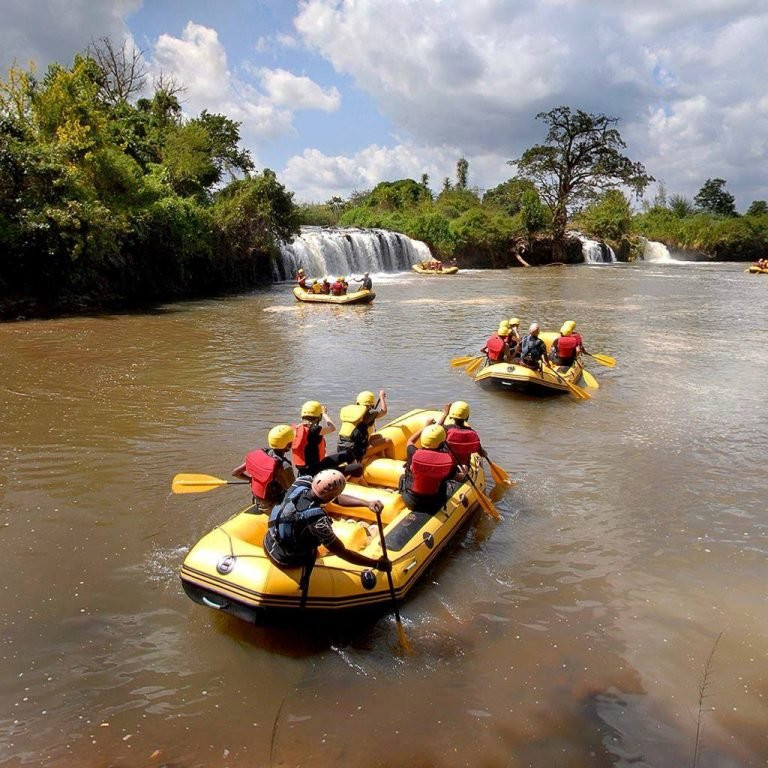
x=338 y=95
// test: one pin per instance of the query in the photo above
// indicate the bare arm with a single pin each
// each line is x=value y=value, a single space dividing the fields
x=329 y=426
x=240 y=472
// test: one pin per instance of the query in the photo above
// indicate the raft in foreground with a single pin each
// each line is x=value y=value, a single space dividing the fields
x=358 y=297
x=228 y=569
x=520 y=378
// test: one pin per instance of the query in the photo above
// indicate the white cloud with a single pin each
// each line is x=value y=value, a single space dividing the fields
x=297 y=92
x=685 y=78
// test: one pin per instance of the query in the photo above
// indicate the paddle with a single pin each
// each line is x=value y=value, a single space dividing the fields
x=589 y=379
x=606 y=360
x=189 y=483
x=499 y=475
x=404 y=644
x=485 y=502
x=460 y=362
x=582 y=394
x=475 y=365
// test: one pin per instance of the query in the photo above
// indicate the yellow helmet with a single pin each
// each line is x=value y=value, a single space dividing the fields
x=503 y=329
x=459 y=410
x=568 y=327
x=514 y=321
x=312 y=408
x=366 y=398
x=432 y=436
x=280 y=437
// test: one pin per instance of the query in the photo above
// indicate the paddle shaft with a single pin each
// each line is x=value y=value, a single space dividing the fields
x=568 y=384
x=395 y=609
x=493 y=512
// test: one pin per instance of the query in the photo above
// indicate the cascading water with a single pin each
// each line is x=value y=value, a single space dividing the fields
x=331 y=251
x=656 y=252
x=594 y=252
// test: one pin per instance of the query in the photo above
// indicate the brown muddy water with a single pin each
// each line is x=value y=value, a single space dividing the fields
x=573 y=632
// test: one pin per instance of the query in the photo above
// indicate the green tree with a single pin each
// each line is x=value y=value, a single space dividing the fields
x=610 y=218
x=462 y=169
x=712 y=198
x=582 y=157
x=224 y=135
x=508 y=196
x=680 y=206
x=757 y=208
x=534 y=214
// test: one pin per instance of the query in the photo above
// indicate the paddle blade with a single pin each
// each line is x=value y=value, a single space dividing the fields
x=405 y=645
x=606 y=360
x=189 y=483
x=487 y=505
x=475 y=365
x=589 y=379
x=460 y=362
x=582 y=394
x=499 y=475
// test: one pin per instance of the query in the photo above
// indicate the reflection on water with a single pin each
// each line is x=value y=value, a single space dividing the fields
x=573 y=632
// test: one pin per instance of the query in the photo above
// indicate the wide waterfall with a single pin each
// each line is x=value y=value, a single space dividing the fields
x=656 y=252
x=343 y=251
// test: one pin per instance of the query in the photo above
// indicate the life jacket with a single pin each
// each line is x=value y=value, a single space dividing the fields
x=300 y=444
x=463 y=441
x=566 y=347
x=428 y=470
x=316 y=288
x=354 y=430
x=262 y=468
x=303 y=283
x=288 y=522
x=337 y=289
x=495 y=348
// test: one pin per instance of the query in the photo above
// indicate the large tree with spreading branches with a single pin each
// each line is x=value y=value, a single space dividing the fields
x=580 y=160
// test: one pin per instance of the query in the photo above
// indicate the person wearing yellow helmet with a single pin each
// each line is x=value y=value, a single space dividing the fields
x=429 y=469
x=316 y=287
x=325 y=286
x=566 y=347
x=497 y=348
x=269 y=469
x=309 y=446
x=514 y=338
x=461 y=439
x=337 y=287
x=356 y=432
x=300 y=524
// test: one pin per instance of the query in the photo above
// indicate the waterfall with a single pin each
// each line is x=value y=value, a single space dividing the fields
x=657 y=252
x=336 y=251
x=593 y=251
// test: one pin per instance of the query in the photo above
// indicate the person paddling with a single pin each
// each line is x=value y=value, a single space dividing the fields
x=565 y=348
x=462 y=440
x=367 y=283
x=533 y=349
x=269 y=469
x=309 y=447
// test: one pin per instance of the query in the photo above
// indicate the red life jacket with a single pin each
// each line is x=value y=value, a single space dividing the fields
x=566 y=347
x=495 y=347
x=337 y=289
x=262 y=469
x=299 y=445
x=428 y=470
x=463 y=441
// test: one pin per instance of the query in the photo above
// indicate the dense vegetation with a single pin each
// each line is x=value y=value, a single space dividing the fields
x=108 y=199
x=106 y=203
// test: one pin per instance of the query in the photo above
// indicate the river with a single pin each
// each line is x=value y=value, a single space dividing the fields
x=576 y=631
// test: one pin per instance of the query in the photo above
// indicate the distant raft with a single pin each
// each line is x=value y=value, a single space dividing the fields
x=422 y=270
x=228 y=569
x=519 y=378
x=755 y=270
x=358 y=297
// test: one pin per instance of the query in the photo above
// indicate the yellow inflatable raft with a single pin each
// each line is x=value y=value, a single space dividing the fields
x=422 y=270
x=520 y=378
x=755 y=270
x=358 y=297
x=228 y=569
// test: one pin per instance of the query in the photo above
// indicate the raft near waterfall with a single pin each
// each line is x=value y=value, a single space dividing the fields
x=363 y=296
x=228 y=569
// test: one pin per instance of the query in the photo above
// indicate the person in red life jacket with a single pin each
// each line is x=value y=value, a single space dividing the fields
x=357 y=425
x=462 y=440
x=269 y=469
x=299 y=525
x=496 y=348
x=301 y=279
x=533 y=350
x=337 y=288
x=430 y=469
x=565 y=348
x=309 y=448
x=325 y=286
